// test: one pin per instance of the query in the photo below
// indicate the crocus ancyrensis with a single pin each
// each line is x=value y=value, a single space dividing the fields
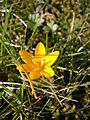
x=40 y=64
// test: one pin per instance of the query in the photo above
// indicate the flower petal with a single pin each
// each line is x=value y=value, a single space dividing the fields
x=48 y=72
x=51 y=58
x=38 y=61
x=27 y=67
x=26 y=56
x=40 y=50
x=34 y=75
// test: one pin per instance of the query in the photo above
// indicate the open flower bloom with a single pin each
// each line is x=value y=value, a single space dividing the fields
x=40 y=64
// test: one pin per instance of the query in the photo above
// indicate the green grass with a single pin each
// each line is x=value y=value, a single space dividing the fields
x=65 y=96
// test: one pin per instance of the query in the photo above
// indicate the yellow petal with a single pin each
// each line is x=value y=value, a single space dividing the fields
x=27 y=67
x=51 y=58
x=48 y=72
x=34 y=75
x=40 y=50
x=37 y=61
x=26 y=56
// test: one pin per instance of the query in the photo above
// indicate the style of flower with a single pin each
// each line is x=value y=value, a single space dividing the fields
x=40 y=64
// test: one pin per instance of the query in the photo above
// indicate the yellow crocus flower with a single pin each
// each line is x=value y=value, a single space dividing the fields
x=40 y=64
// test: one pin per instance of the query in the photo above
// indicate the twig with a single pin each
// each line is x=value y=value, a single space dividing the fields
x=72 y=24
x=66 y=69
x=9 y=83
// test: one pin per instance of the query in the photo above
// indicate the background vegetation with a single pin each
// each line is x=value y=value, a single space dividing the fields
x=62 y=25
